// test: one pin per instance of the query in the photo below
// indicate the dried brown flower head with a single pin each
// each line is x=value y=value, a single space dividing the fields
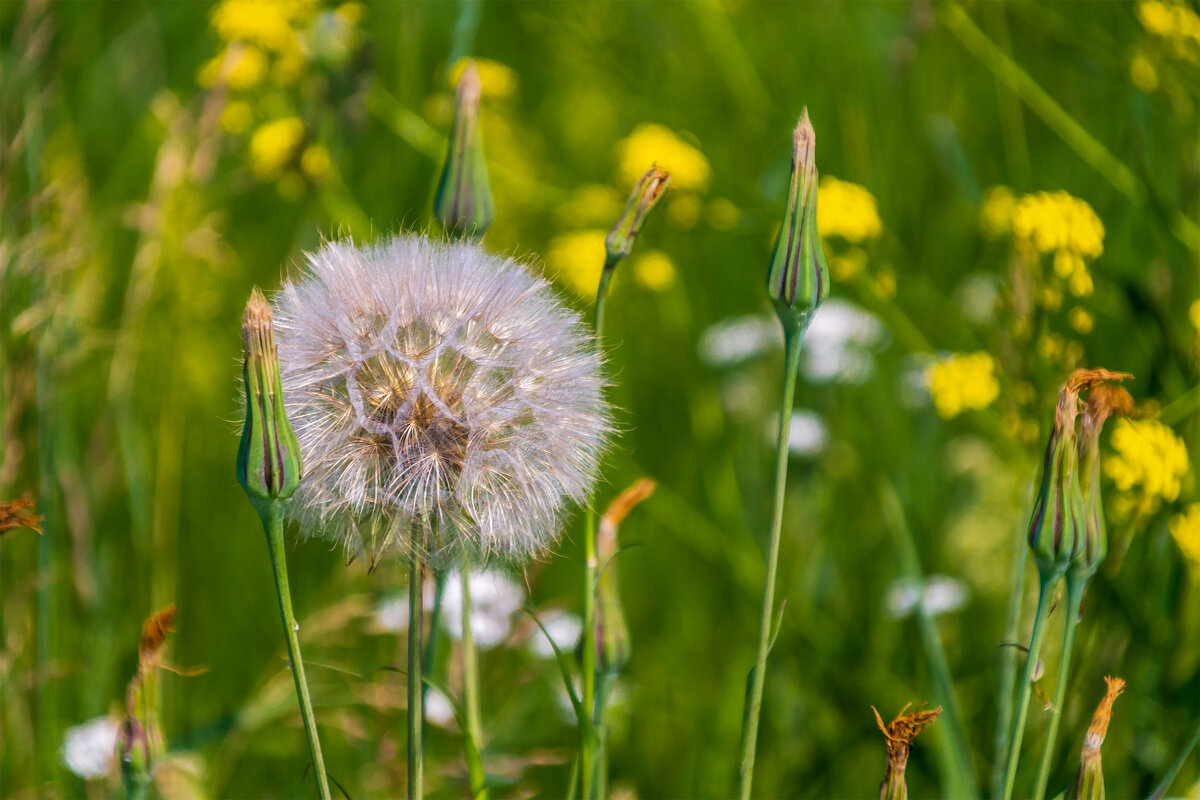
x=16 y=514
x=900 y=733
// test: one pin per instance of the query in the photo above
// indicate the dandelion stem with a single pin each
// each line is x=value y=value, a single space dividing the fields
x=1074 y=600
x=473 y=731
x=415 y=688
x=794 y=336
x=1031 y=659
x=273 y=523
x=587 y=758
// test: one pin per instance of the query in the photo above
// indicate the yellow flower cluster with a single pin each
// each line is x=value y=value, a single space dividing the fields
x=1185 y=530
x=1174 y=22
x=847 y=210
x=576 y=259
x=655 y=144
x=495 y=79
x=961 y=382
x=1147 y=466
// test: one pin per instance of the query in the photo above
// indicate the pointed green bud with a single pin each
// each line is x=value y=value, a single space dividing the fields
x=1056 y=524
x=798 y=279
x=269 y=463
x=463 y=201
x=613 y=644
x=645 y=196
x=1103 y=401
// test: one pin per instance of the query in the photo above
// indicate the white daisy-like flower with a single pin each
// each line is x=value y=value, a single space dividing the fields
x=446 y=402
x=88 y=749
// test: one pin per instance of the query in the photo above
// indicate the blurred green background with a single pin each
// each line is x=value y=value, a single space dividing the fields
x=160 y=159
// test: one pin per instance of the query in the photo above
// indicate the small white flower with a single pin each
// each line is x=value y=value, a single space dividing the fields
x=902 y=597
x=838 y=343
x=88 y=749
x=495 y=597
x=439 y=710
x=446 y=402
x=736 y=339
x=564 y=630
x=937 y=595
x=976 y=297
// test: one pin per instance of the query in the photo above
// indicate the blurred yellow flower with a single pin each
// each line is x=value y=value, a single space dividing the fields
x=1056 y=221
x=845 y=267
x=962 y=381
x=495 y=79
x=723 y=214
x=885 y=282
x=654 y=271
x=273 y=146
x=651 y=144
x=590 y=204
x=1080 y=320
x=847 y=210
x=239 y=66
x=236 y=117
x=1185 y=530
x=995 y=215
x=1194 y=314
x=1169 y=20
x=268 y=23
x=1148 y=458
x=1142 y=73
x=577 y=259
x=352 y=13
x=683 y=210
x=315 y=162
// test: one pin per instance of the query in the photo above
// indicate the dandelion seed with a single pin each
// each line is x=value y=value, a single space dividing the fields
x=446 y=402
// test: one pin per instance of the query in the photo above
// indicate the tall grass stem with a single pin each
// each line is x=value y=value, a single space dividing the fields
x=273 y=522
x=1160 y=791
x=1045 y=591
x=1008 y=663
x=794 y=337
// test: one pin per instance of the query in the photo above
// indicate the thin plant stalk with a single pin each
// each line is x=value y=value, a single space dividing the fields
x=1031 y=659
x=1008 y=664
x=587 y=759
x=1160 y=791
x=429 y=661
x=273 y=522
x=473 y=729
x=415 y=688
x=603 y=690
x=1074 y=601
x=793 y=340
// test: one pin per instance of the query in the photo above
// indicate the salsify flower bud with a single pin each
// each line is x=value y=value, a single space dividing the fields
x=649 y=188
x=613 y=645
x=1089 y=785
x=269 y=461
x=1056 y=524
x=798 y=278
x=900 y=734
x=463 y=201
x=1103 y=401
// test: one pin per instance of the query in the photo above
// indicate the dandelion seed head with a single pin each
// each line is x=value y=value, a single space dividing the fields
x=446 y=402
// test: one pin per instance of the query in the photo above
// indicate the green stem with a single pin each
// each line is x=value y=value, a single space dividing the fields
x=1008 y=663
x=587 y=743
x=273 y=523
x=415 y=689
x=1074 y=600
x=1161 y=790
x=793 y=339
x=429 y=657
x=473 y=732
x=1031 y=659
x=603 y=689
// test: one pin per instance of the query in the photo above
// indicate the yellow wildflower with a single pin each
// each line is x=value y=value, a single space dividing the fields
x=1149 y=462
x=315 y=161
x=654 y=271
x=273 y=146
x=495 y=79
x=352 y=13
x=655 y=144
x=591 y=204
x=962 y=381
x=1050 y=298
x=236 y=117
x=1169 y=20
x=1054 y=221
x=683 y=210
x=847 y=210
x=885 y=282
x=847 y=266
x=577 y=259
x=723 y=214
x=239 y=66
x=995 y=216
x=1080 y=320
x=268 y=23
x=1142 y=73
x=1194 y=314
x=1051 y=346
x=1185 y=530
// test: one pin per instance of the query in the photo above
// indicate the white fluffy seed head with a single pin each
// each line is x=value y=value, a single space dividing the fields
x=447 y=404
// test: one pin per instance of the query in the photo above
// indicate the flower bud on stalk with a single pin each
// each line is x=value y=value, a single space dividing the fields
x=269 y=462
x=900 y=734
x=1089 y=785
x=798 y=278
x=1056 y=524
x=1103 y=401
x=612 y=634
x=619 y=242
x=463 y=201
